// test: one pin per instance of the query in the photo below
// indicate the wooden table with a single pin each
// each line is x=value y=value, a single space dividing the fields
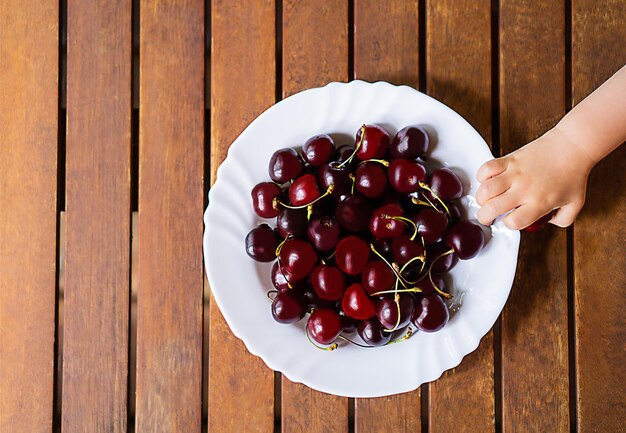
x=114 y=117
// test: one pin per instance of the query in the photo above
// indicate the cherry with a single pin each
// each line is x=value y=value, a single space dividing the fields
x=314 y=302
x=353 y=213
x=371 y=332
x=288 y=307
x=263 y=196
x=383 y=246
x=431 y=224
x=466 y=238
x=279 y=279
x=387 y=311
x=456 y=211
x=298 y=258
x=377 y=277
x=375 y=143
x=540 y=223
x=303 y=190
x=446 y=184
x=371 y=179
x=351 y=255
x=324 y=233
x=324 y=325
x=318 y=149
x=409 y=143
x=405 y=175
x=349 y=324
x=427 y=286
x=291 y=222
x=331 y=173
x=344 y=152
x=261 y=243
x=404 y=249
x=328 y=282
x=382 y=226
x=357 y=304
x=443 y=263
x=285 y=165
x=431 y=313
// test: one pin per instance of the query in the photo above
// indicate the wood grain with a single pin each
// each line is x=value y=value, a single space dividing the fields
x=458 y=73
x=97 y=253
x=598 y=50
x=311 y=61
x=29 y=48
x=534 y=323
x=386 y=48
x=171 y=142
x=243 y=84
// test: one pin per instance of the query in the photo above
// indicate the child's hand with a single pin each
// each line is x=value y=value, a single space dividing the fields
x=548 y=173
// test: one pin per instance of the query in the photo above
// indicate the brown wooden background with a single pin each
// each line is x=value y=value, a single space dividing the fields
x=114 y=116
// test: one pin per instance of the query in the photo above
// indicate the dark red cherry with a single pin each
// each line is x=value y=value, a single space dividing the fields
x=331 y=173
x=280 y=280
x=357 y=304
x=540 y=223
x=328 y=282
x=324 y=233
x=298 y=258
x=446 y=184
x=431 y=224
x=466 y=238
x=288 y=307
x=352 y=254
x=349 y=324
x=436 y=259
x=456 y=211
x=375 y=143
x=303 y=190
x=371 y=332
x=377 y=277
x=324 y=325
x=405 y=175
x=387 y=311
x=318 y=149
x=314 y=302
x=404 y=249
x=285 y=165
x=409 y=143
x=263 y=196
x=431 y=313
x=291 y=222
x=382 y=226
x=371 y=179
x=343 y=152
x=353 y=213
x=261 y=243
x=426 y=285
x=383 y=246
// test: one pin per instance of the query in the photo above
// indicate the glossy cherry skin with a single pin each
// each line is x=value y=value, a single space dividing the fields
x=377 y=277
x=324 y=325
x=314 y=302
x=261 y=243
x=404 y=249
x=324 y=233
x=405 y=175
x=426 y=284
x=371 y=332
x=456 y=211
x=446 y=184
x=371 y=179
x=382 y=226
x=387 y=311
x=375 y=143
x=353 y=213
x=328 y=282
x=331 y=173
x=409 y=143
x=383 y=246
x=298 y=258
x=540 y=223
x=352 y=254
x=443 y=263
x=285 y=165
x=288 y=307
x=466 y=238
x=291 y=222
x=357 y=304
x=280 y=280
x=263 y=196
x=318 y=150
x=431 y=224
x=431 y=313
x=343 y=152
x=303 y=190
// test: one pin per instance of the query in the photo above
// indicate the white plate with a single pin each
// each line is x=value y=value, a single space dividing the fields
x=239 y=285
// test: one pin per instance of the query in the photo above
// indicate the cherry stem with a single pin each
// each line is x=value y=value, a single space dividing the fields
x=354 y=342
x=356 y=149
x=309 y=212
x=427 y=188
x=380 y=161
x=411 y=290
x=417 y=201
x=394 y=270
x=328 y=349
x=353 y=179
x=396 y=299
x=280 y=246
x=420 y=258
x=406 y=336
x=430 y=275
x=405 y=220
x=329 y=191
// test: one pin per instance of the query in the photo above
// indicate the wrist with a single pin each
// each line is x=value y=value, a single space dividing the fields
x=569 y=145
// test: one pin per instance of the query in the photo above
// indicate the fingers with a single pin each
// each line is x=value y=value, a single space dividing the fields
x=566 y=215
x=491 y=188
x=523 y=216
x=497 y=206
x=490 y=169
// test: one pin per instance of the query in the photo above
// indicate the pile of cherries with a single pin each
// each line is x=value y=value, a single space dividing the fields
x=363 y=235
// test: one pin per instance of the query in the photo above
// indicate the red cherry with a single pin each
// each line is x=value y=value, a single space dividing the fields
x=405 y=175
x=357 y=304
x=431 y=313
x=303 y=190
x=353 y=213
x=263 y=195
x=318 y=149
x=291 y=222
x=466 y=238
x=298 y=258
x=371 y=332
x=285 y=165
x=328 y=282
x=404 y=249
x=371 y=179
x=431 y=224
x=377 y=277
x=288 y=307
x=382 y=226
x=446 y=184
x=279 y=279
x=324 y=233
x=375 y=143
x=443 y=263
x=324 y=325
x=261 y=243
x=409 y=143
x=387 y=311
x=427 y=286
x=339 y=177
x=352 y=254
x=540 y=223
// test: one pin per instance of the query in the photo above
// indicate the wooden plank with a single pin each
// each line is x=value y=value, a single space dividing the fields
x=171 y=142
x=598 y=50
x=458 y=73
x=97 y=253
x=29 y=51
x=386 y=48
x=309 y=61
x=534 y=322
x=243 y=84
